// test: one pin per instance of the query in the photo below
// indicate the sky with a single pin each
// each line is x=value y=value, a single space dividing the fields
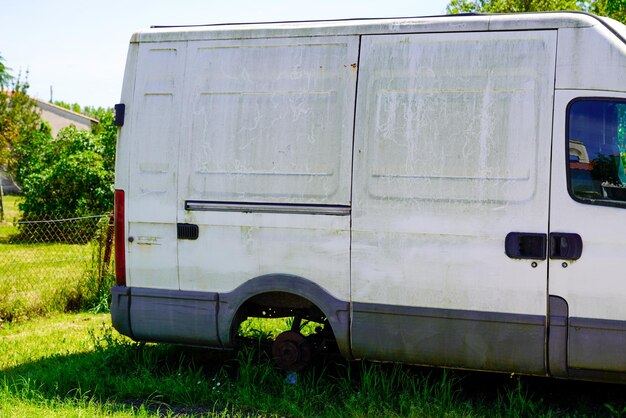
x=78 y=47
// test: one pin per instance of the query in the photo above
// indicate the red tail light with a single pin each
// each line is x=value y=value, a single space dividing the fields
x=120 y=242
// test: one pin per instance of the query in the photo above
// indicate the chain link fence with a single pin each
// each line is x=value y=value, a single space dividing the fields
x=54 y=264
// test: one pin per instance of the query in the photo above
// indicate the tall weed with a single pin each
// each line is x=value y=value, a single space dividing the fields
x=517 y=402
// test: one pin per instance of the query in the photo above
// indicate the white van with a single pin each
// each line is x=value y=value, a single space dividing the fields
x=443 y=191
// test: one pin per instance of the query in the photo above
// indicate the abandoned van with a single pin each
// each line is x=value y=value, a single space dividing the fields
x=444 y=191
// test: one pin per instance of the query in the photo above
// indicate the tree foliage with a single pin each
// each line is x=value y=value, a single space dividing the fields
x=71 y=175
x=68 y=177
x=94 y=112
x=615 y=9
x=106 y=131
x=510 y=6
x=74 y=107
x=5 y=76
x=19 y=118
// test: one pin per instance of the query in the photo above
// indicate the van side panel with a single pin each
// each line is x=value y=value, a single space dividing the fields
x=592 y=59
x=270 y=120
x=254 y=174
x=452 y=153
x=266 y=170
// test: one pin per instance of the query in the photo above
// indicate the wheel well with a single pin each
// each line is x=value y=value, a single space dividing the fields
x=277 y=305
x=275 y=295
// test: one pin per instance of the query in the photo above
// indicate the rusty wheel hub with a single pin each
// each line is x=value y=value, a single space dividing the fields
x=291 y=351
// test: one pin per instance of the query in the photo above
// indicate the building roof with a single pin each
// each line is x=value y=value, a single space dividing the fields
x=59 y=117
x=66 y=113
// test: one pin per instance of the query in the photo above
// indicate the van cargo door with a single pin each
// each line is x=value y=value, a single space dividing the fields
x=450 y=207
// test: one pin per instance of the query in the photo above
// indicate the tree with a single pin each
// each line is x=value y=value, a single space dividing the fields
x=106 y=131
x=511 y=6
x=615 y=9
x=19 y=118
x=67 y=177
x=74 y=107
x=70 y=176
x=5 y=77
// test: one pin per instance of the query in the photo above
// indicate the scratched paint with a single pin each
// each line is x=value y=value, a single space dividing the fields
x=453 y=134
x=267 y=124
x=270 y=121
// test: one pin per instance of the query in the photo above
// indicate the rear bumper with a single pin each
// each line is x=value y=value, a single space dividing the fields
x=163 y=315
x=120 y=310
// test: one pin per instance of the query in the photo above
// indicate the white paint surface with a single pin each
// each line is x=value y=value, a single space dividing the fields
x=452 y=151
x=451 y=154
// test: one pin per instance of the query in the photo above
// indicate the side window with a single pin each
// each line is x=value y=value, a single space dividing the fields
x=596 y=139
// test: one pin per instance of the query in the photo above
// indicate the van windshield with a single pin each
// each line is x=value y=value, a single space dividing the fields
x=597 y=151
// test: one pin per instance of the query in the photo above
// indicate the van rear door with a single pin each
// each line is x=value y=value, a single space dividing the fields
x=152 y=131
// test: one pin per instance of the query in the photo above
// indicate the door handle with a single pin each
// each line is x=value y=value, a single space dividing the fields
x=526 y=245
x=565 y=246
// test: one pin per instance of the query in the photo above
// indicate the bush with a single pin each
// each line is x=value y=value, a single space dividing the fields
x=64 y=178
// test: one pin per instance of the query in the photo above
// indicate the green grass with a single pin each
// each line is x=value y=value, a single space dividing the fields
x=11 y=209
x=71 y=365
x=11 y=214
x=39 y=278
x=269 y=328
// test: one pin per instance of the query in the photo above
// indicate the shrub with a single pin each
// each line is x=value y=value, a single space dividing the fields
x=64 y=178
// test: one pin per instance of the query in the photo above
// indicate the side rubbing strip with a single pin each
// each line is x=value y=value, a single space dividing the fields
x=337 y=210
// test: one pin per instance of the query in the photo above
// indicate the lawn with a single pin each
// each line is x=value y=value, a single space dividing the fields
x=11 y=214
x=70 y=365
x=41 y=277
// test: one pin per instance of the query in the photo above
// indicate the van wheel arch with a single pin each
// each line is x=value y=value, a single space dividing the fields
x=302 y=296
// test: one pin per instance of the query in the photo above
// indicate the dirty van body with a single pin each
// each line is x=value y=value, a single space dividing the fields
x=443 y=191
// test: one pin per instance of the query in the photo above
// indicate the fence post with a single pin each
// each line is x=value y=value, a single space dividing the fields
x=1 y=199
x=109 y=244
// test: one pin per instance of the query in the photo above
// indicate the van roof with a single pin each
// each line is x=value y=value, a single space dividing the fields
x=428 y=24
